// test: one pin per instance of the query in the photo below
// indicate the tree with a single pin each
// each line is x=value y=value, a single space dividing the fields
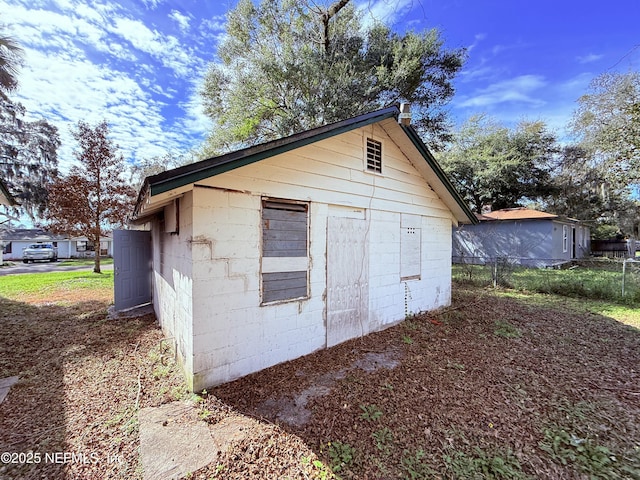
x=28 y=150
x=286 y=67
x=494 y=166
x=157 y=164
x=10 y=59
x=92 y=197
x=607 y=123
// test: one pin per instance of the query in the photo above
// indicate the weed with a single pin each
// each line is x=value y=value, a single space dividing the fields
x=205 y=414
x=322 y=470
x=370 y=413
x=387 y=386
x=483 y=465
x=220 y=468
x=584 y=453
x=506 y=330
x=340 y=454
x=414 y=467
x=383 y=438
x=455 y=365
x=407 y=339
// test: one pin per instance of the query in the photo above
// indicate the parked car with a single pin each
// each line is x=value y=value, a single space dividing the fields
x=40 y=251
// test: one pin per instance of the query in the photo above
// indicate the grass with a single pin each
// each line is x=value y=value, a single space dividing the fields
x=597 y=280
x=89 y=262
x=58 y=286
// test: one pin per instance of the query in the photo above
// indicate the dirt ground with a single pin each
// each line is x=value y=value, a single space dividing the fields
x=493 y=387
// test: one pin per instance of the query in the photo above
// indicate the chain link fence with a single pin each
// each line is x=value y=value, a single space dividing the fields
x=597 y=278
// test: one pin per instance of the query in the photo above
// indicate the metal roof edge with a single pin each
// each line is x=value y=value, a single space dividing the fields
x=440 y=173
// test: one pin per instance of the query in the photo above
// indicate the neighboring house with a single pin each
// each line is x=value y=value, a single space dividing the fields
x=522 y=236
x=14 y=240
x=275 y=251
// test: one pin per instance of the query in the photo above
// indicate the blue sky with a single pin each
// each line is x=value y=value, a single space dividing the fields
x=139 y=63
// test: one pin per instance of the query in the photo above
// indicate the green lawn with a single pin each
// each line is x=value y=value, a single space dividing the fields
x=54 y=286
x=595 y=281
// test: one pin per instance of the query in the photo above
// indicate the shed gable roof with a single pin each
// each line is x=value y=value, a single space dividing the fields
x=189 y=174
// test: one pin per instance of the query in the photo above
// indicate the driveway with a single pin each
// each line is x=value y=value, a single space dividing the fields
x=40 y=267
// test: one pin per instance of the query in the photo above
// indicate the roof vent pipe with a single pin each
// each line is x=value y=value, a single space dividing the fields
x=405 y=114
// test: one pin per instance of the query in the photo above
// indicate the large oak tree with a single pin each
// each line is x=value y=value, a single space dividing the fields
x=93 y=198
x=286 y=66
x=494 y=166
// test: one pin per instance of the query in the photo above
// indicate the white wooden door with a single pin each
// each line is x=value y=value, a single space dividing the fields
x=347 y=279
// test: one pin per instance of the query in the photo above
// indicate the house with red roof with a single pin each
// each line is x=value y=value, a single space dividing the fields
x=522 y=236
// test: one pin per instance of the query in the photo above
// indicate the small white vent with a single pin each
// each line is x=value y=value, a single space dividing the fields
x=374 y=155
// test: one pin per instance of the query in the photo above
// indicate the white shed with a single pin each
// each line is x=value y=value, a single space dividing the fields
x=275 y=251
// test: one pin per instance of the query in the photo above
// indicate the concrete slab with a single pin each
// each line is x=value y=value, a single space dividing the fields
x=174 y=441
x=5 y=386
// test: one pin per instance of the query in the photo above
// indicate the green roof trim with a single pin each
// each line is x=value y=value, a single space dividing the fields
x=182 y=176
x=435 y=166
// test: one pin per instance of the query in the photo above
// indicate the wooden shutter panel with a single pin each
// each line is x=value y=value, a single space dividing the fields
x=285 y=255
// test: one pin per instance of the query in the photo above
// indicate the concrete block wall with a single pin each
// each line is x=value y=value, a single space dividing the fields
x=233 y=333
x=172 y=285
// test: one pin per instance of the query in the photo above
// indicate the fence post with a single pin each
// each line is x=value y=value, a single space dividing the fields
x=624 y=274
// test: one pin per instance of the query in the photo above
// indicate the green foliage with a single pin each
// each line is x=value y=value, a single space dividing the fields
x=286 y=66
x=415 y=467
x=492 y=165
x=340 y=455
x=482 y=465
x=506 y=330
x=15 y=286
x=383 y=439
x=370 y=413
x=584 y=453
x=607 y=122
x=595 y=281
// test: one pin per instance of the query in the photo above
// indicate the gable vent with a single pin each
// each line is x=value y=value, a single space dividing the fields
x=374 y=155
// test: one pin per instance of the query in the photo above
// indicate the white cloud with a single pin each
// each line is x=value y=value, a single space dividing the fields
x=514 y=90
x=477 y=38
x=183 y=21
x=592 y=57
x=387 y=11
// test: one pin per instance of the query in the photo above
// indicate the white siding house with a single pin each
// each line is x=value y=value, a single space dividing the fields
x=269 y=253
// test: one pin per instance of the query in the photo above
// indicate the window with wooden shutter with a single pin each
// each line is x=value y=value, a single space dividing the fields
x=285 y=252
x=374 y=155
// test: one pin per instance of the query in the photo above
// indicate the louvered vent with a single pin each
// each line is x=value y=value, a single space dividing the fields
x=374 y=156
